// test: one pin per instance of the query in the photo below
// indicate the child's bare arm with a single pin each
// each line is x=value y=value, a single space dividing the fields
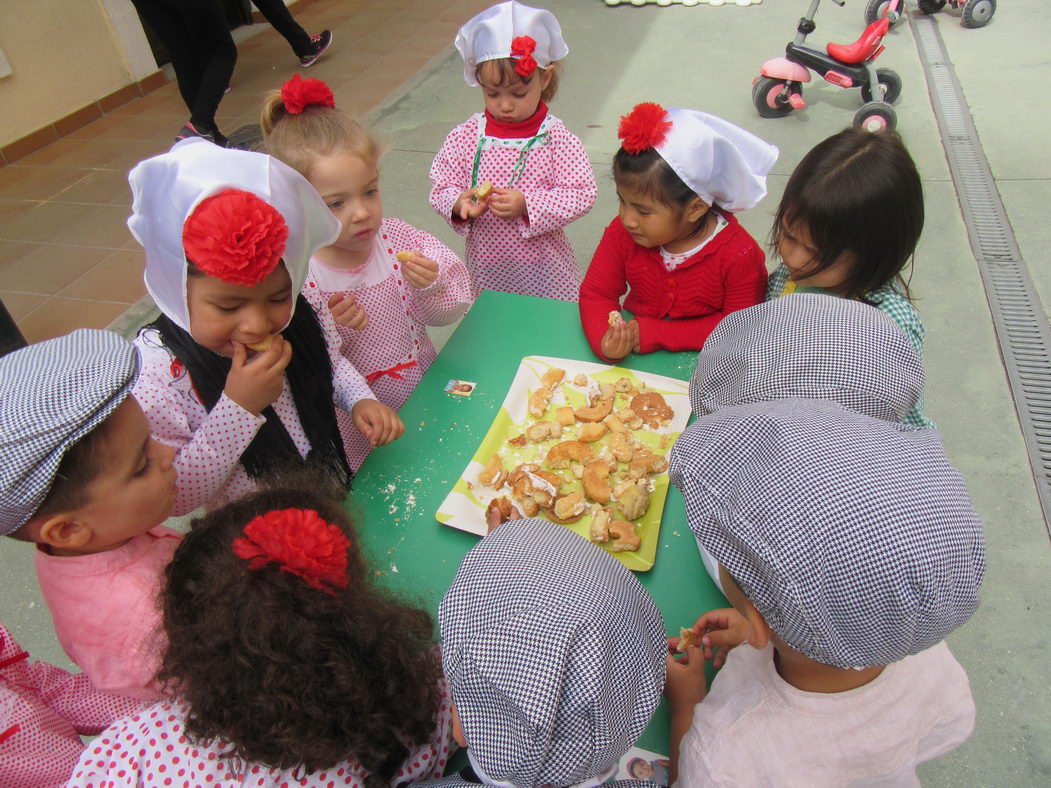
x=685 y=688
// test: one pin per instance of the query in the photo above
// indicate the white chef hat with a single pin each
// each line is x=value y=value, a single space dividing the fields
x=720 y=162
x=167 y=189
x=530 y=35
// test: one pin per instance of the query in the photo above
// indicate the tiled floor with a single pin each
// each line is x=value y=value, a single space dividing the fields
x=67 y=259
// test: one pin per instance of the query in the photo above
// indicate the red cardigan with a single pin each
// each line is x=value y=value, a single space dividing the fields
x=677 y=309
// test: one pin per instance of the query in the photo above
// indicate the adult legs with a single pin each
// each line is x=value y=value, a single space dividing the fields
x=280 y=18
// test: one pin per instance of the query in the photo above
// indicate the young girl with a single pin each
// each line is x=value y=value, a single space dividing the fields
x=539 y=175
x=680 y=176
x=849 y=220
x=291 y=668
x=380 y=302
x=233 y=376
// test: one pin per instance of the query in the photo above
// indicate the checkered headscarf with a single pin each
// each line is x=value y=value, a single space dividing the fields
x=810 y=346
x=553 y=652
x=52 y=394
x=853 y=536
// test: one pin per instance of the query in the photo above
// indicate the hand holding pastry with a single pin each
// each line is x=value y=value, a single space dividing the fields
x=507 y=203
x=377 y=422
x=686 y=685
x=618 y=341
x=348 y=312
x=721 y=629
x=469 y=206
x=255 y=383
x=419 y=271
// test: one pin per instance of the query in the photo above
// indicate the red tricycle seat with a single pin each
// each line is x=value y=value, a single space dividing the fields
x=862 y=49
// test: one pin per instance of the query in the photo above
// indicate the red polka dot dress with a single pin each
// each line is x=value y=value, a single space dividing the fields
x=528 y=256
x=151 y=750
x=43 y=712
x=210 y=444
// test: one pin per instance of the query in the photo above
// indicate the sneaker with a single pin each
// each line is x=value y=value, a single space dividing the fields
x=189 y=130
x=318 y=45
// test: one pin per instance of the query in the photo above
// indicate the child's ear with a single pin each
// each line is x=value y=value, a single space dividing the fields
x=545 y=77
x=760 y=631
x=696 y=209
x=65 y=532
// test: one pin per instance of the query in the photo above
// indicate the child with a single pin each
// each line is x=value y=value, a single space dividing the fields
x=45 y=712
x=680 y=176
x=849 y=550
x=540 y=176
x=83 y=479
x=849 y=220
x=234 y=376
x=291 y=667
x=381 y=305
x=555 y=666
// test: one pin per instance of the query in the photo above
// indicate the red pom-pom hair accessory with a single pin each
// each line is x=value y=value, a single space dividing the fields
x=643 y=128
x=299 y=541
x=522 y=49
x=235 y=236
x=297 y=94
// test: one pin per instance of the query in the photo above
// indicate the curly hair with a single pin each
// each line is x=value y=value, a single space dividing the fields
x=288 y=675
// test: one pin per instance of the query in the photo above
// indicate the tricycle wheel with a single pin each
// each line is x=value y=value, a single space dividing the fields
x=876 y=9
x=977 y=13
x=876 y=116
x=930 y=6
x=889 y=81
x=770 y=97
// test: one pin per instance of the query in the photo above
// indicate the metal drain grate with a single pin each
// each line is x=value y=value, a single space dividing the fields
x=1018 y=316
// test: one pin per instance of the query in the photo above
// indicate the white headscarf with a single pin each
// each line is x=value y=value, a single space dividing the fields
x=167 y=188
x=488 y=36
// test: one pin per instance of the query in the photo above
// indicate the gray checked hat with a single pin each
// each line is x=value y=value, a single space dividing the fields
x=810 y=346
x=52 y=394
x=853 y=536
x=554 y=654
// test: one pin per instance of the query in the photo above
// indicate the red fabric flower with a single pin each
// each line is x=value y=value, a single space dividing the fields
x=522 y=49
x=300 y=542
x=643 y=128
x=297 y=94
x=235 y=236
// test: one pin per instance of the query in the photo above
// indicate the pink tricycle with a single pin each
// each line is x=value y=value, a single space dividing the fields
x=778 y=90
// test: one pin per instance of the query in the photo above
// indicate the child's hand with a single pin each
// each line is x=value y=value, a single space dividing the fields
x=256 y=383
x=507 y=203
x=467 y=207
x=686 y=685
x=420 y=271
x=722 y=629
x=376 y=421
x=348 y=312
x=620 y=340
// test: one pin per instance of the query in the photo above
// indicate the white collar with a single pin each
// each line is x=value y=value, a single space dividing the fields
x=591 y=782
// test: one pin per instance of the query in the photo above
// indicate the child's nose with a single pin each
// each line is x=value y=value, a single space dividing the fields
x=256 y=322
x=165 y=455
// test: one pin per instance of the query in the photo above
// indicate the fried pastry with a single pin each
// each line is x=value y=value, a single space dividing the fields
x=591 y=432
x=499 y=511
x=635 y=500
x=538 y=401
x=597 y=411
x=559 y=455
x=600 y=525
x=687 y=638
x=625 y=539
x=552 y=378
x=262 y=345
x=596 y=481
x=404 y=257
x=568 y=508
x=651 y=407
x=565 y=416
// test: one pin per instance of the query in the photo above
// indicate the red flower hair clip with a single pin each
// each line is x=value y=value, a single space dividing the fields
x=235 y=236
x=297 y=94
x=298 y=541
x=643 y=128
x=522 y=49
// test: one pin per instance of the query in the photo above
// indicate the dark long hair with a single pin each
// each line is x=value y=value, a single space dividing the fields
x=285 y=674
x=310 y=379
x=858 y=193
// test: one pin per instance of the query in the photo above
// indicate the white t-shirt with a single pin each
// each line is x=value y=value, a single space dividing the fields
x=755 y=729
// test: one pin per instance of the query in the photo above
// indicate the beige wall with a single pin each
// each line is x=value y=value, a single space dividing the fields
x=65 y=54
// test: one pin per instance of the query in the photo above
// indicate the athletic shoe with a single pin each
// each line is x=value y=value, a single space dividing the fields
x=318 y=45
x=189 y=130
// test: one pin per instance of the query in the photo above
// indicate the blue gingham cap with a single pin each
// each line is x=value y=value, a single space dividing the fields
x=52 y=394
x=810 y=346
x=853 y=536
x=554 y=654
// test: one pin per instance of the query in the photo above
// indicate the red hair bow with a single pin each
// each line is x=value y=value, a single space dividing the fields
x=522 y=49
x=643 y=128
x=298 y=541
x=297 y=94
x=235 y=236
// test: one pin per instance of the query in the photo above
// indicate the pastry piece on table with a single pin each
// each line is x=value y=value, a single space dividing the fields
x=635 y=500
x=591 y=432
x=560 y=455
x=600 y=525
x=552 y=378
x=494 y=474
x=596 y=481
x=625 y=540
x=538 y=401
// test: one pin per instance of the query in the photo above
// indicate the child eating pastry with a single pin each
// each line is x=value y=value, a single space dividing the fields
x=849 y=550
x=680 y=176
x=84 y=481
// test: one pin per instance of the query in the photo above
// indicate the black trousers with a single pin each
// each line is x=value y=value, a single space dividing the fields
x=203 y=53
x=279 y=17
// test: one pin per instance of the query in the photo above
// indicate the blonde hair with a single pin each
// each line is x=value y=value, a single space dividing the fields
x=299 y=140
x=505 y=74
